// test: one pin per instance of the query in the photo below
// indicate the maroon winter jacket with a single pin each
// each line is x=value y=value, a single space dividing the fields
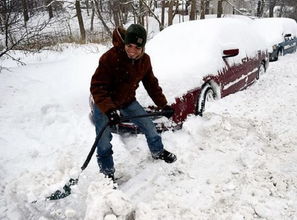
x=117 y=77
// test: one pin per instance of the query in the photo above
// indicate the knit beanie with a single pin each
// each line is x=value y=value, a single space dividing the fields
x=136 y=34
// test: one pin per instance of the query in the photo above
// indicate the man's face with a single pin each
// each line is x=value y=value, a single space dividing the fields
x=133 y=51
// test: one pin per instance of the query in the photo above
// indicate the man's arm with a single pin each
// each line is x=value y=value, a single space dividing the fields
x=151 y=84
x=100 y=87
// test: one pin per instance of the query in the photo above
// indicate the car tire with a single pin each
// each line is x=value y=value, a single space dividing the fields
x=261 y=71
x=276 y=57
x=207 y=95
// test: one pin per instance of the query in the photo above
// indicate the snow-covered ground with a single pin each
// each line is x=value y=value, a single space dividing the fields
x=237 y=162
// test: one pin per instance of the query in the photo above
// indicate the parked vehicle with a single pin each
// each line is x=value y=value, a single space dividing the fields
x=280 y=35
x=200 y=61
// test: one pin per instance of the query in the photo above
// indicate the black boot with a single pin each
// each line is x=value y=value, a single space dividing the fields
x=166 y=156
x=111 y=177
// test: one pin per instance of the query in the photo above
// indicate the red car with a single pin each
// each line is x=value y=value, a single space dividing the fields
x=201 y=60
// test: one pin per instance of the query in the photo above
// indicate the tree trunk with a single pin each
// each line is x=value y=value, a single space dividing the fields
x=220 y=8
x=115 y=8
x=2 y=15
x=259 y=9
x=207 y=6
x=49 y=8
x=140 y=14
x=193 y=10
x=163 y=15
x=92 y=16
x=272 y=4
x=1 y=24
x=170 y=13
x=202 y=13
x=80 y=22
x=25 y=10
x=87 y=5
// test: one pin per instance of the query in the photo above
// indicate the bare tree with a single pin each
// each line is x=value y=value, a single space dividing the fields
x=141 y=13
x=25 y=11
x=202 y=9
x=171 y=11
x=98 y=8
x=49 y=8
x=87 y=6
x=80 y=22
x=151 y=12
x=193 y=10
x=16 y=34
x=162 y=14
x=207 y=6
x=220 y=8
x=272 y=4
x=92 y=15
x=116 y=11
x=260 y=8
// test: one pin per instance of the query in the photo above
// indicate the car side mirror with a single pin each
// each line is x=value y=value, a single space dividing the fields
x=230 y=53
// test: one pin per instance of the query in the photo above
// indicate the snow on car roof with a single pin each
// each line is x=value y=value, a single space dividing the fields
x=183 y=53
x=274 y=29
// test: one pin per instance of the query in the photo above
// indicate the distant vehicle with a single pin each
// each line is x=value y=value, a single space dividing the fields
x=289 y=45
x=280 y=34
x=244 y=11
x=199 y=61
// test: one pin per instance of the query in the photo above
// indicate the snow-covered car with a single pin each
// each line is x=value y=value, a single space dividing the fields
x=202 y=60
x=280 y=34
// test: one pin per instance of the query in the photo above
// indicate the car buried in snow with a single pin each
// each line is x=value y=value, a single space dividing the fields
x=280 y=34
x=199 y=61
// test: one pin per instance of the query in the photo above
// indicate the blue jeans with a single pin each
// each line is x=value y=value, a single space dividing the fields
x=104 y=147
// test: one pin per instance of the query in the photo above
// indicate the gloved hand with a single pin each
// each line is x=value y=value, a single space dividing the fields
x=168 y=111
x=113 y=117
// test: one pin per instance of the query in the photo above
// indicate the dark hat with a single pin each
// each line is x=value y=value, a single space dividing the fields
x=136 y=34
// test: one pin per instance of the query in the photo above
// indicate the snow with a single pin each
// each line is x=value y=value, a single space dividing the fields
x=237 y=162
x=274 y=29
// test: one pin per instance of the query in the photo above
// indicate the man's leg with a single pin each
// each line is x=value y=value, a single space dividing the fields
x=104 y=147
x=147 y=126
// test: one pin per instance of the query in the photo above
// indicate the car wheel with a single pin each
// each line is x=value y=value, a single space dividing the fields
x=276 y=57
x=207 y=95
x=261 y=71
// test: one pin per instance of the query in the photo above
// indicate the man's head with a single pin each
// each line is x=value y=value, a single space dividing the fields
x=136 y=34
x=135 y=40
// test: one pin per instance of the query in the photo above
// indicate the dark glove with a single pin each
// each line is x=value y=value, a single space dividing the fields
x=113 y=117
x=168 y=111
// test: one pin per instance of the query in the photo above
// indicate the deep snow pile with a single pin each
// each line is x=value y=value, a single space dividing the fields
x=238 y=162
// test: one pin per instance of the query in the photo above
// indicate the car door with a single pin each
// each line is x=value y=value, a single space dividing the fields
x=234 y=77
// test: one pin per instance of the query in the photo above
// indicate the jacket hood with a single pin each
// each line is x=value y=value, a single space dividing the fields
x=118 y=37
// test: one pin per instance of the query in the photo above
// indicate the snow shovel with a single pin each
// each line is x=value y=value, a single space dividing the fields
x=66 y=191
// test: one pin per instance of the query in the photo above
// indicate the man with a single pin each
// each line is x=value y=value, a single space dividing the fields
x=113 y=89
